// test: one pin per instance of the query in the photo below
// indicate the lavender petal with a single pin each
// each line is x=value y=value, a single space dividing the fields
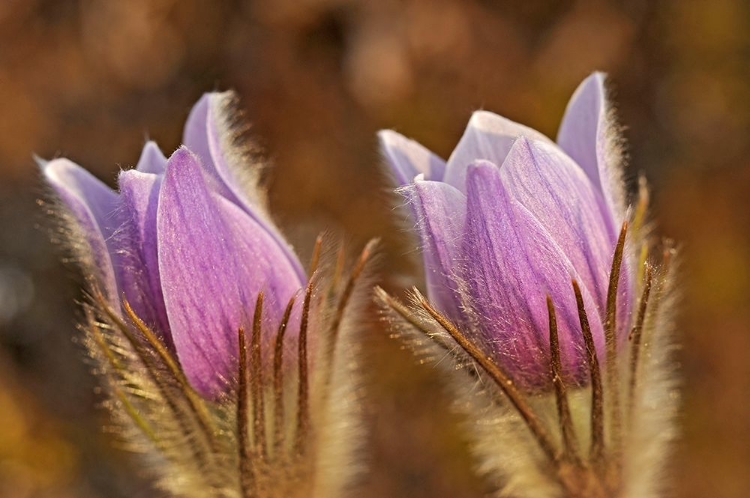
x=141 y=283
x=515 y=265
x=561 y=198
x=208 y=134
x=93 y=205
x=588 y=135
x=213 y=261
x=487 y=136
x=408 y=158
x=152 y=160
x=440 y=210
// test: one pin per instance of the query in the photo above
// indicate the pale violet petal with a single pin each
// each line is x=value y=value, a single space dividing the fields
x=141 y=283
x=489 y=137
x=555 y=190
x=209 y=135
x=214 y=259
x=440 y=210
x=408 y=158
x=515 y=265
x=589 y=136
x=152 y=160
x=94 y=207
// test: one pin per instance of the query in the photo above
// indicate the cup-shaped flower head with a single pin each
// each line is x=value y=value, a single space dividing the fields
x=530 y=281
x=219 y=355
x=187 y=243
x=511 y=219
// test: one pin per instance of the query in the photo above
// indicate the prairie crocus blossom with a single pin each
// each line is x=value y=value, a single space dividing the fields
x=186 y=247
x=203 y=316
x=529 y=274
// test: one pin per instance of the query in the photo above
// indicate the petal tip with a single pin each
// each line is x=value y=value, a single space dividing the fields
x=387 y=136
x=151 y=147
x=40 y=161
x=182 y=154
x=483 y=120
x=481 y=167
x=57 y=168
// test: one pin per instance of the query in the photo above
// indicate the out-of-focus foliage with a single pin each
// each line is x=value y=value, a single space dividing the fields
x=91 y=79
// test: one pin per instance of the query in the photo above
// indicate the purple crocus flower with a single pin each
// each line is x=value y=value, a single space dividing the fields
x=512 y=218
x=187 y=243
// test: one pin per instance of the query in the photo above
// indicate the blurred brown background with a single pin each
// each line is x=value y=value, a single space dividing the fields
x=91 y=79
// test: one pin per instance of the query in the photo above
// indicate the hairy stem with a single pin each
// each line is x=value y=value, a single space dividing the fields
x=278 y=380
x=597 y=391
x=610 y=341
x=503 y=381
x=570 y=442
x=636 y=335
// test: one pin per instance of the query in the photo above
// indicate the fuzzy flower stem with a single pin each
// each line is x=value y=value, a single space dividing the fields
x=303 y=402
x=504 y=382
x=570 y=442
x=196 y=406
x=351 y=282
x=278 y=379
x=145 y=356
x=339 y=269
x=637 y=332
x=610 y=341
x=344 y=299
x=114 y=363
x=405 y=313
x=256 y=365
x=641 y=209
x=315 y=259
x=247 y=480
x=597 y=392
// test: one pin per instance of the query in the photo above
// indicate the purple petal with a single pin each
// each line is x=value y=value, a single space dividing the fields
x=208 y=134
x=199 y=131
x=488 y=136
x=515 y=264
x=588 y=135
x=139 y=199
x=152 y=160
x=213 y=261
x=408 y=158
x=93 y=205
x=440 y=210
x=205 y=129
x=559 y=195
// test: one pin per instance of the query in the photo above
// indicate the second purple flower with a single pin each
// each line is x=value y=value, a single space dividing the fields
x=512 y=218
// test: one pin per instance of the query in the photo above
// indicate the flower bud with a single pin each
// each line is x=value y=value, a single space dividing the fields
x=220 y=355
x=530 y=281
x=185 y=246
x=512 y=218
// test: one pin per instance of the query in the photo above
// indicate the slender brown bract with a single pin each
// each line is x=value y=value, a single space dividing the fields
x=339 y=268
x=641 y=208
x=315 y=259
x=636 y=335
x=162 y=383
x=303 y=402
x=610 y=341
x=256 y=382
x=570 y=442
x=117 y=366
x=349 y=289
x=247 y=479
x=194 y=401
x=597 y=392
x=278 y=379
x=406 y=314
x=503 y=381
